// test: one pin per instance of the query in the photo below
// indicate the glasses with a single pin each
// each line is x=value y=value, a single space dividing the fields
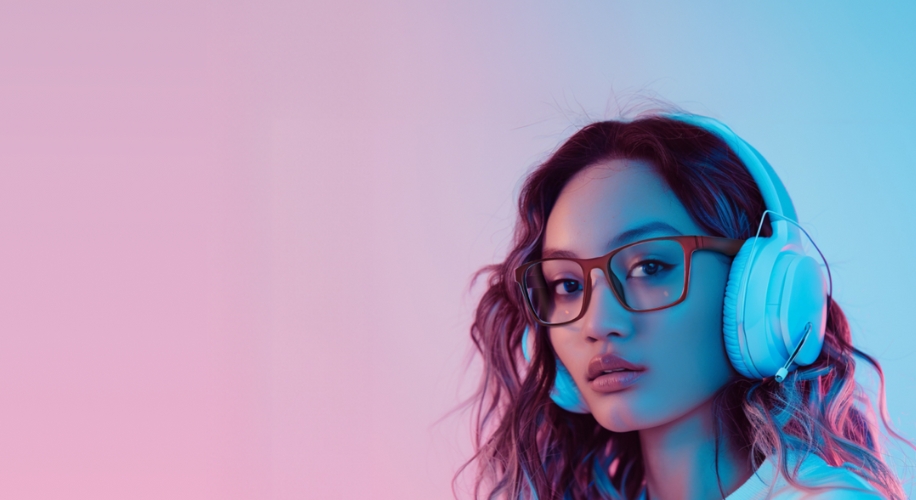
x=647 y=275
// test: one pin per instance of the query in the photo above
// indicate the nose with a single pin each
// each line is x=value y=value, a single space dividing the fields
x=605 y=317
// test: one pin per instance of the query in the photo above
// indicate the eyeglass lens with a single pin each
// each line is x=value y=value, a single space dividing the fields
x=646 y=275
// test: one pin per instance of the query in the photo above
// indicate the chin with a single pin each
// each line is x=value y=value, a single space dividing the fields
x=617 y=416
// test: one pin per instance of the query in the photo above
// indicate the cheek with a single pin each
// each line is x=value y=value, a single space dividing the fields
x=686 y=347
x=698 y=320
x=571 y=350
x=687 y=342
x=684 y=350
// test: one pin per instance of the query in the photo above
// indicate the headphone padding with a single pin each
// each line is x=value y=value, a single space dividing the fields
x=733 y=345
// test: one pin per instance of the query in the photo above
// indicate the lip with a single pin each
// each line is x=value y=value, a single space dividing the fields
x=624 y=374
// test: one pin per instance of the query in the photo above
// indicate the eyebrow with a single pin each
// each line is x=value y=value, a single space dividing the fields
x=621 y=239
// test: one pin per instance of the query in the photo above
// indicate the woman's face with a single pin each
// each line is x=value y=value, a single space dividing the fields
x=680 y=348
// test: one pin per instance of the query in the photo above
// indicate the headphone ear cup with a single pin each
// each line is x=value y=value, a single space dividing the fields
x=783 y=291
x=736 y=347
x=803 y=301
x=564 y=393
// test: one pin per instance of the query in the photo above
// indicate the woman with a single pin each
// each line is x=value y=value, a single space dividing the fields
x=640 y=342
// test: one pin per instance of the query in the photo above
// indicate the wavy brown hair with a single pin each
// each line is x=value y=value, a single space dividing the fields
x=528 y=447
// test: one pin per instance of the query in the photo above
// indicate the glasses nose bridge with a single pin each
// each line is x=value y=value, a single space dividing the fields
x=594 y=292
x=603 y=264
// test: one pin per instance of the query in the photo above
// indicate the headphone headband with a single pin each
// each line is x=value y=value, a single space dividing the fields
x=774 y=192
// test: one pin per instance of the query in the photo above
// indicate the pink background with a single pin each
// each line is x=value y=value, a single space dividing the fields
x=237 y=237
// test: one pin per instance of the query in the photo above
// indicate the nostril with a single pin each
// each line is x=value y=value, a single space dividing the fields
x=594 y=336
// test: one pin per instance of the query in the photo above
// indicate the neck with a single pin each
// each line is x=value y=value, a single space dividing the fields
x=680 y=459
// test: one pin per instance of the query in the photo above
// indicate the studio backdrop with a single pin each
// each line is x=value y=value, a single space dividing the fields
x=237 y=238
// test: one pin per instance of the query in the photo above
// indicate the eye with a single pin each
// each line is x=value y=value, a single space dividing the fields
x=647 y=268
x=567 y=287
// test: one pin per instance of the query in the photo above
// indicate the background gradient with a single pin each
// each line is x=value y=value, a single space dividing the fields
x=237 y=237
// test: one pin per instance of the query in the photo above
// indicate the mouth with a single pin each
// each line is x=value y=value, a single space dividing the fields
x=609 y=373
x=609 y=364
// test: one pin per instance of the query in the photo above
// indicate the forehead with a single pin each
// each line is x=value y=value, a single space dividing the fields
x=610 y=198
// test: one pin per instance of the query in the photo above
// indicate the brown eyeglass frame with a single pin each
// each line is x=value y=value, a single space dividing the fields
x=690 y=244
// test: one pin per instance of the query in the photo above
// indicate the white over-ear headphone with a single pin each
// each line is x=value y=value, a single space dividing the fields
x=775 y=307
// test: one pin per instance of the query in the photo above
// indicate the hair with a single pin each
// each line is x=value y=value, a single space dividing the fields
x=528 y=447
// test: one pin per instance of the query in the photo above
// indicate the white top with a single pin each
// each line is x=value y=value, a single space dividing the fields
x=844 y=484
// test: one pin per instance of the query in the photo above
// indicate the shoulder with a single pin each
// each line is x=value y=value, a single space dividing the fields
x=825 y=481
